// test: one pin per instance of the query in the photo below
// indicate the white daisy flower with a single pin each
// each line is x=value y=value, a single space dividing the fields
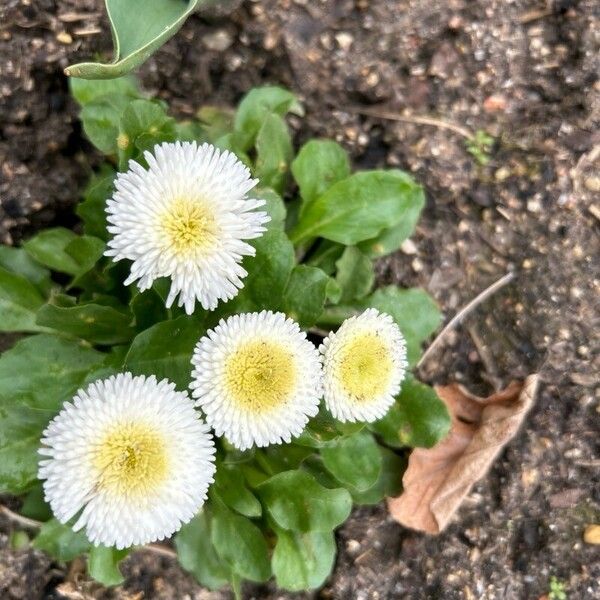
x=186 y=217
x=257 y=378
x=129 y=458
x=364 y=363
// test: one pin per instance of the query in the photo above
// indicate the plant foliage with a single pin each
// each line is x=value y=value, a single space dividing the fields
x=272 y=511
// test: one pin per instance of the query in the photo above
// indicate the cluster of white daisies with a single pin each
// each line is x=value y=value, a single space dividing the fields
x=130 y=458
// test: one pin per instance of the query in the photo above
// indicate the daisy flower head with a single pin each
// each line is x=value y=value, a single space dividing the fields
x=257 y=379
x=129 y=459
x=364 y=363
x=186 y=217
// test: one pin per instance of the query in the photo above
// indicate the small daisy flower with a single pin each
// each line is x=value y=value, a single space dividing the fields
x=129 y=459
x=364 y=363
x=186 y=217
x=257 y=379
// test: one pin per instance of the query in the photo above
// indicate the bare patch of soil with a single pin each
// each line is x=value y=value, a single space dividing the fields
x=525 y=71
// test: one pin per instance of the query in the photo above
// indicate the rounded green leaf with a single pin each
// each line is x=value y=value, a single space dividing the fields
x=240 y=544
x=139 y=28
x=418 y=418
x=389 y=482
x=197 y=554
x=305 y=294
x=355 y=274
x=92 y=322
x=356 y=208
x=319 y=164
x=232 y=490
x=273 y=152
x=303 y=561
x=256 y=106
x=60 y=541
x=19 y=302
x=17 y=261
x=62 y=250
x=354 y=460
x=103 y=564
x=298 y=503
x=165 y=350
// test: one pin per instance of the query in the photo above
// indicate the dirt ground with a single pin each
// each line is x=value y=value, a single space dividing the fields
x=526 y=72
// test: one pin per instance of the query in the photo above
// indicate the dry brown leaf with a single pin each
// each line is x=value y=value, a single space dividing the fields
x=437 y=479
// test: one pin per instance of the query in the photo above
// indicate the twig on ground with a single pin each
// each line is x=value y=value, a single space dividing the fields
x=414 y=119
x=318 y=331
x=159 y=549
x=534 y=15
x=463 y=312
x=21 y=520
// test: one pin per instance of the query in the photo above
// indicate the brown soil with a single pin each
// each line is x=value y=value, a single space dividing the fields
x=526 y=71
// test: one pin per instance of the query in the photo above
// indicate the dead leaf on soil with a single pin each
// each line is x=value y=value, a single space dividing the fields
x=437 y=479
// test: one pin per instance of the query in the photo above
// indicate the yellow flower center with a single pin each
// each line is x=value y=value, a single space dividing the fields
x=131 y=460
x=260 y=375
x=189 y=226
x=365 y=367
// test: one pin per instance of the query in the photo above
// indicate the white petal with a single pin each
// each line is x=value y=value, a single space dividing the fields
x=148 y=222
x=279 y=413
x=114 y=515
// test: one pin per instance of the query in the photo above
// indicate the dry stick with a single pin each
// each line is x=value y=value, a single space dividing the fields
x=33 y=524
x=463 y=312
x=391 y=116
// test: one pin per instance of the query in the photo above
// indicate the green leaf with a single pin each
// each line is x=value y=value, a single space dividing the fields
x=37 y=376
x=17 y=261
x=35 y=506
x=319 y=164
x=143 y=124
x=60 y=541
x=319 y=432
x=103 y=564
x=148 y=308
x=390 y=239
x=273 y=152
x=356 y=209
x=389 y=482
x=268 y=273
x=256 y=106
x=139 y=28
x=303 y=561
x=92 y=322
x=232 y=490
x=63 y=251
x=326 y=256
x=197 y=554
x=215 y=121
x=354 y=460
x=304 y=295
x=92 y=209
x=355 y=274
x=240 y=544
x=100 y=119
x=418 y=418
x=297 y=502
x=86 y=91
x=165 y=350
x=19 y=302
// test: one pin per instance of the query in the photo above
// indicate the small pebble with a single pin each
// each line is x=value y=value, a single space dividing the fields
x=64 y=38
x=408 y=247
x=344 y=40
x=591 y=535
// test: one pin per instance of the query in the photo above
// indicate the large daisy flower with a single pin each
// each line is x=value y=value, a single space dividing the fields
x=257 y=378
x=129 y=459
x=364 y=363
x=186 y=217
